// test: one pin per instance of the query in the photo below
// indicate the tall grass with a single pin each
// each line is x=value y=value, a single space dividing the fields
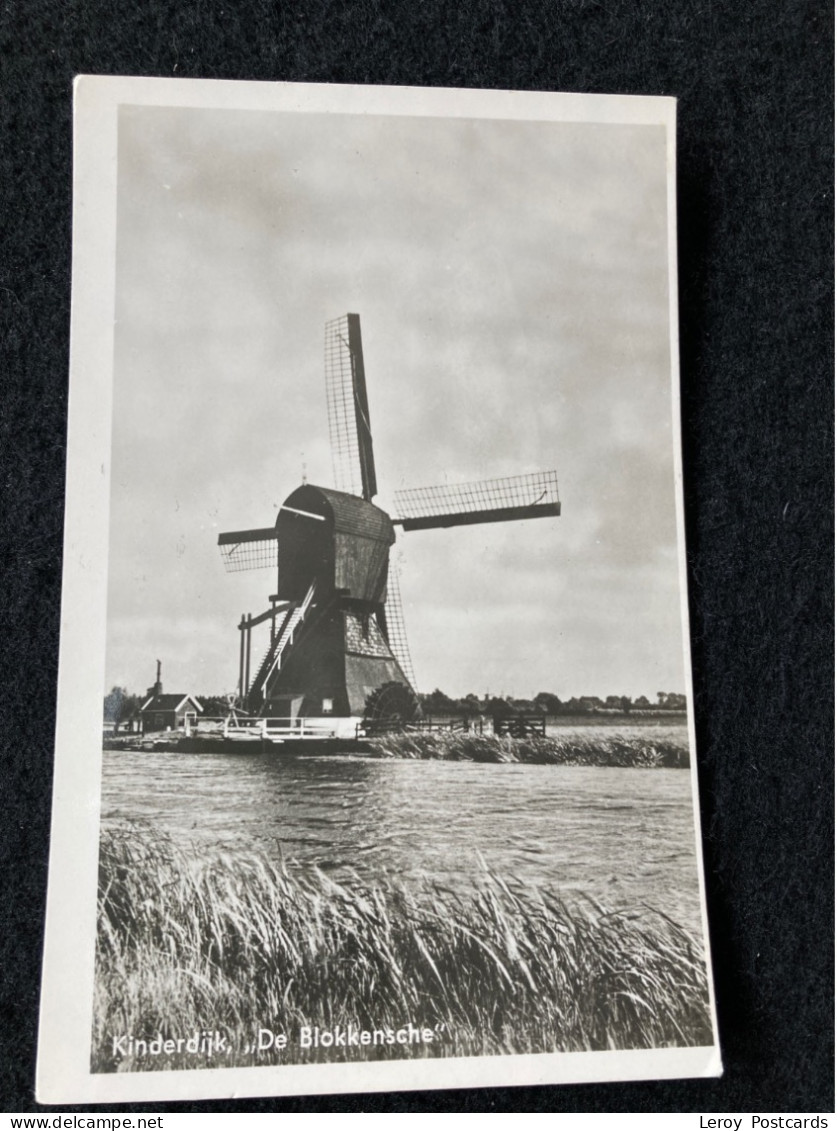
x=235 y=943
x=602 y=747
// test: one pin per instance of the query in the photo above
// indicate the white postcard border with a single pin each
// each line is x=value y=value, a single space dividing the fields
x=63 y=1074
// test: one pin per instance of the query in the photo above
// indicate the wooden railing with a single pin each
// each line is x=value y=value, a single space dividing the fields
x=241 y=727
x=520 y=726
x=371 y=728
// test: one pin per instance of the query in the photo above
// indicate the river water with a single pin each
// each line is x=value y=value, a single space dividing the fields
x=624 y=836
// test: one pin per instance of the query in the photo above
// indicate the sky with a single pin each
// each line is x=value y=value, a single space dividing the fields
x=512 y=284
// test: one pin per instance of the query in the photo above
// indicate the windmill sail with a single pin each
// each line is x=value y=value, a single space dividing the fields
x=490 y=500
x=396 y=632
x=248 y=549
x=348 y=409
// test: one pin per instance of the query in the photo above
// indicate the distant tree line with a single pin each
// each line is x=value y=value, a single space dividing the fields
x=120 y=706
x=438 y=703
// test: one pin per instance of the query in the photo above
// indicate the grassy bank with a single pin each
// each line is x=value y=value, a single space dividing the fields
x=234 y=943
x=585 y=747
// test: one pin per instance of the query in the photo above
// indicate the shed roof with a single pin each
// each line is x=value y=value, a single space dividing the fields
x=169 y=702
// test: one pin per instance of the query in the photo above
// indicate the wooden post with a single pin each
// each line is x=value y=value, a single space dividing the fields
x=242 y=690
x=247 y=656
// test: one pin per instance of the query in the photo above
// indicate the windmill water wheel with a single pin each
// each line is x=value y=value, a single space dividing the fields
x=390 y=707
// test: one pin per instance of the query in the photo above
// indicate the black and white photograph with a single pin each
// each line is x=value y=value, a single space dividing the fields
x=375 y=689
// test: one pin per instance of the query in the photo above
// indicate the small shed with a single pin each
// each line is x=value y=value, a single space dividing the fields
x=168 y=712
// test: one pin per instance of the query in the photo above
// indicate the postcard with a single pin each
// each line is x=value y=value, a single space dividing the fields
x=375 y=760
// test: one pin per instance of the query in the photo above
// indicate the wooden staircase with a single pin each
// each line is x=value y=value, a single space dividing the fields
x=282 y=643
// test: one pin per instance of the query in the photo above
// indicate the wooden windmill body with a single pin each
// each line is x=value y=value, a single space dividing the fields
x=336 y=639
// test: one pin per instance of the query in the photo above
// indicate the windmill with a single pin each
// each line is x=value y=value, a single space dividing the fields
x=336 y=642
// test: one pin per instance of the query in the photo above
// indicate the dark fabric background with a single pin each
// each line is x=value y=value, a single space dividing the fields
x=756 y=301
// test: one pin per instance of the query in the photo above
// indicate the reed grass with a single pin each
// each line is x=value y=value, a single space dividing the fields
x=233 y=943
x=641 y=747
